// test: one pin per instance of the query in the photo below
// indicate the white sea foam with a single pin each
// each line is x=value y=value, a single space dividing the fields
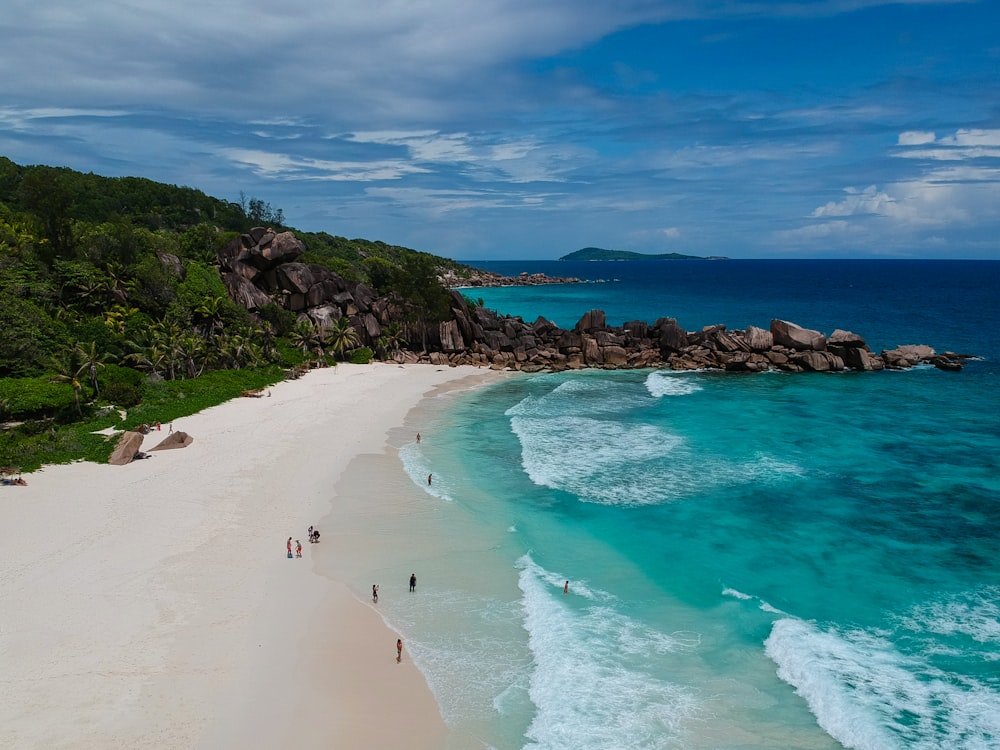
x=582 y=439
x=584 y=395
x=762 y=605
x=596 y=460
x=611 y=463
x=590 y=683
x=662 y=383
x=869 y=695
x=735 y=594
x=418 y=469
x=973 y=614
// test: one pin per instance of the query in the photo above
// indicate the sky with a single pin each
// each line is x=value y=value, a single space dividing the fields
x=527 y=129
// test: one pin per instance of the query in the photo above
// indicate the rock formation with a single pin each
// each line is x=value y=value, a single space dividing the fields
x=262 y=267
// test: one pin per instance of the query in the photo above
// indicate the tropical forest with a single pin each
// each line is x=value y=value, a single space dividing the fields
x=114 y=310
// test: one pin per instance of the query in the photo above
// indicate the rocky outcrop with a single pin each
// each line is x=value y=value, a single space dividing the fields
x=506 y=342
x=262 y=267
x=126 y=449
x=478 y=278
x=795 y=337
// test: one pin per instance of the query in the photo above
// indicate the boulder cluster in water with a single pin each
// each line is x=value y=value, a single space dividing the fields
x=260 y=268
x=482 y=337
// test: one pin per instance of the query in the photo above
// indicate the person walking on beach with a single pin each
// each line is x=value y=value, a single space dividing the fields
x=429 y=477
x=298 y=548
x=413 y=581
x=399 y=650
x=288 y=545
x=375 y=593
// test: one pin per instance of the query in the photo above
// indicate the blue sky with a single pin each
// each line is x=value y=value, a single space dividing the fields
x=512 y=129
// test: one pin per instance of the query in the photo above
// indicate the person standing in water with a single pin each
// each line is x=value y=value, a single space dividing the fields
x=375 y=593
x=566 y=588
x=413 y=581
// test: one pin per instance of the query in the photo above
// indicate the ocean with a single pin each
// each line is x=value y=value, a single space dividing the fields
x=650 y=559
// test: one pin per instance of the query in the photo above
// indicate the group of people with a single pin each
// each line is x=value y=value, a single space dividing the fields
x=399 y=641
x=413 y=587
x=313 y=537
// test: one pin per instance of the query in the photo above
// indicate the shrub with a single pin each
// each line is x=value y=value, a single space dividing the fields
x=122 y=394
x=361 y=356
x=28 y=397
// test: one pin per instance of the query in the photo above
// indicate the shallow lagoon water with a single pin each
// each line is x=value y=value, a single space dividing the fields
x=754 y=561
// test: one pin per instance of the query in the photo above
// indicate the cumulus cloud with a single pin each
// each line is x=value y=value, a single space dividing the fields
x=867 y=201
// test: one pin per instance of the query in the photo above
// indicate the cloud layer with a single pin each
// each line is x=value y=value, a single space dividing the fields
x=509 y=128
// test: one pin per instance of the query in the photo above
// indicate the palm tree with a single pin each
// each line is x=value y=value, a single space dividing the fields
x=66 y=373
x=148 y=352
x=91 y=362
x=117 y=317
x=209 y=311
x=342 y=336
x=303 y=336
x=118 y=284
x=392 y=338
x=193 y=353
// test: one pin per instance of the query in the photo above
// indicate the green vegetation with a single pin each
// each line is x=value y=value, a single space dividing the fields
x=111 y=298
x=597 y=253
x=49 y=441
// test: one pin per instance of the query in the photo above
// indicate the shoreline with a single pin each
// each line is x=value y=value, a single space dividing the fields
x=152 y=605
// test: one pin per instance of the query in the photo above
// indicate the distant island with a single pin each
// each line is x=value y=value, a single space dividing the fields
x=599 y=253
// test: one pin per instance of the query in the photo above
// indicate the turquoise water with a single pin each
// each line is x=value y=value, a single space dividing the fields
x=761 y=561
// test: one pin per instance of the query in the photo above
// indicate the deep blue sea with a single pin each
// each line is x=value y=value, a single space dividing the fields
x=754 y=561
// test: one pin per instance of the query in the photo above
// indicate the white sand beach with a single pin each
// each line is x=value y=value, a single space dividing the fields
x=152 y=605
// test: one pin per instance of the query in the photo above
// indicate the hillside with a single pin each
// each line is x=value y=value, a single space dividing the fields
x=115 y=290
x=598 y=253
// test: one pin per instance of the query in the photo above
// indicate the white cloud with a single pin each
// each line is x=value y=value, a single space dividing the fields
x=283 y=166
x=973 y=137
x=517 y=160
x=867 y=201
x=436 y=203
x=959 y=196
x=915 y=138
x=729 y=155
x=671 y=233
x=963 y=144
x=23 y=119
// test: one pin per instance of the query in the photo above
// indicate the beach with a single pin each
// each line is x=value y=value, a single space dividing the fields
x=153 y=604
